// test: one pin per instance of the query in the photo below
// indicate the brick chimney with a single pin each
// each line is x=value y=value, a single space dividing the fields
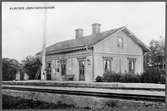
x=96 y=28
x=78 y=33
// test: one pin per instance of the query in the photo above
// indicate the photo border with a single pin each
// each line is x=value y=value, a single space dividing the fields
x=75 y=1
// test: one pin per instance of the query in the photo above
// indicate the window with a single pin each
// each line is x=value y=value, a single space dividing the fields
x=120 y=42
x=131 y=64
x=63 y=67
x=107 y=64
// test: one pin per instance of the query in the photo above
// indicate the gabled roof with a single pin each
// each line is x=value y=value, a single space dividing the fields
x=88 y=41
x=136 y=40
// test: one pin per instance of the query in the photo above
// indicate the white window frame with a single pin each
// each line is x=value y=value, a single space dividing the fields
x=132 y=61
x=109 y=64
x=120 y=42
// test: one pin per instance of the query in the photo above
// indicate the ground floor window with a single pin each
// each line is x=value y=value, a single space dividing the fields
x=107 y=62
x=131 y=64
x=63 y=66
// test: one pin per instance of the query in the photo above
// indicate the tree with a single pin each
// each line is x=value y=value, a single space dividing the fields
x=31 y=65
x=155 y=57
x=9 y=69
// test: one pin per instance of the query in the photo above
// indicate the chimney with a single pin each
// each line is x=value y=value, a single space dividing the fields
x=78 y=33
x=96 y=28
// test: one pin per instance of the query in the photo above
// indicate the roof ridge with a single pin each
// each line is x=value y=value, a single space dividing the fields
x=138 y=40
x=81 y=42
x=86 y=36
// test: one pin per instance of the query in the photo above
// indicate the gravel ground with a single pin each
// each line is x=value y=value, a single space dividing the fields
x=10 y=102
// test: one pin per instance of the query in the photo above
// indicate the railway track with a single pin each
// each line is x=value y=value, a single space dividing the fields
x=126 y=86
x=97 y=92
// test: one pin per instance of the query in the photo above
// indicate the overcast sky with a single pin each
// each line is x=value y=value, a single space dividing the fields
x=22 y=30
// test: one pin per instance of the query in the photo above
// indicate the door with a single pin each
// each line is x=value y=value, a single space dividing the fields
x=82 y=70
x=48 y=71
x=63 y=67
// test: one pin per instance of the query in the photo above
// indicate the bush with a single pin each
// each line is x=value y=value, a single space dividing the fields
x=149 y=76
x=31 y=65
x=99 y=79
x=111 y=77
x=130 y=77
x=153 y=76
x=118 y=77
x=9 y=69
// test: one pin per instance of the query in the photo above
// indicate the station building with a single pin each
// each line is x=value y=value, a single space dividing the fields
x=86 y=57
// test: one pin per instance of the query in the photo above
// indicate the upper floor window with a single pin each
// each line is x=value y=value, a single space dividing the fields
x=131 y=66
x=107 y=62
x=120 y=42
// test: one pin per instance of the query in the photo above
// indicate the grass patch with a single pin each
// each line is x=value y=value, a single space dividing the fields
x=9 y=102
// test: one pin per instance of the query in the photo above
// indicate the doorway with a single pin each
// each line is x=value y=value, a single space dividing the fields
x=48 y=71
x=82 y=70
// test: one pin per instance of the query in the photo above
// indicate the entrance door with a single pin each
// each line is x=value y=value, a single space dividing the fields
x=48 y=71
x=82 y=70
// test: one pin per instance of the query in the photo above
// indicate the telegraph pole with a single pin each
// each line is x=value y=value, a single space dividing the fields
x=166 y=69
x=43 y=54
x=166 y=65
x=43 y=71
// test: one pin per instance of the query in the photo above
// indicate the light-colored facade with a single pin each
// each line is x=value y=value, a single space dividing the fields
x=117 y=50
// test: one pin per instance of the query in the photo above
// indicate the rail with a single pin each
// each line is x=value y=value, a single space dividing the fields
x=130 y=94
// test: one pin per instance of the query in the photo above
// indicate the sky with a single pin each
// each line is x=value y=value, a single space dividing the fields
x=22 y=30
